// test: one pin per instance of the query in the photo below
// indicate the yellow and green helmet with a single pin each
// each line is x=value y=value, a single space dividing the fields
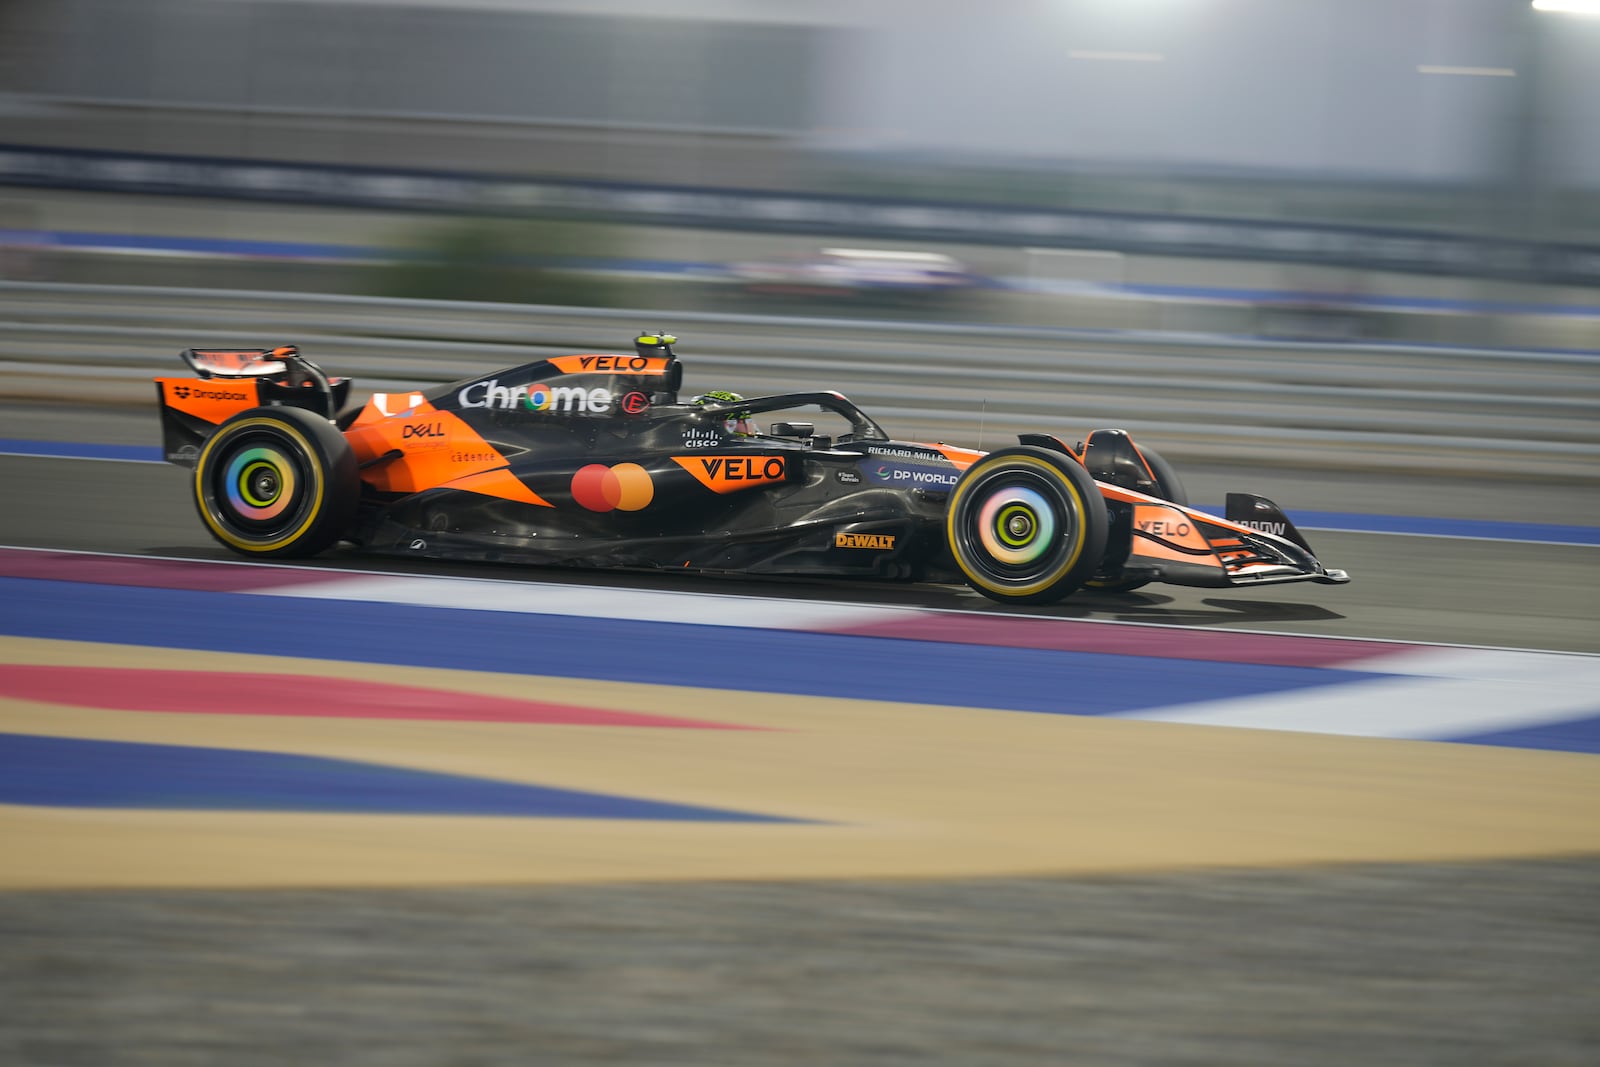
x=654 y=344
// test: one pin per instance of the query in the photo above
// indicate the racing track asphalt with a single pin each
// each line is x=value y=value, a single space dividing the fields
x=1400 y=963
x=1412 y=588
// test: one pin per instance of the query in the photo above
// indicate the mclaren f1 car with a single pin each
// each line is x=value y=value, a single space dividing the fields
x=593 y=460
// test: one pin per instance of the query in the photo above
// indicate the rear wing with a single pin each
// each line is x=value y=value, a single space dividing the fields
x=227 y=381
x=239 y=362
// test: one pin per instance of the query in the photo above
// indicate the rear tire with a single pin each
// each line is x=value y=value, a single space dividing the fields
x=276 y=482
x=1168 y=487
x=1026 y=525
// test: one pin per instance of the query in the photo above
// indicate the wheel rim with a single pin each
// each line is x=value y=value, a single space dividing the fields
x=260 y=483
x=1015 y=525
x=1021 y=530
x=260 y=487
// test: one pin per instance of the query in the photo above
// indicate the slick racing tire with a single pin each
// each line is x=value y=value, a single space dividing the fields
x=1026 y=525
x=1168 y=487
x=276 y=482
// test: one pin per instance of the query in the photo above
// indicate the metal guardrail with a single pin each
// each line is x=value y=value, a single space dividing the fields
x=1358 y=406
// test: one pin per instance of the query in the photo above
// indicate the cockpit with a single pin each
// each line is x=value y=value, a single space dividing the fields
x=810 y=420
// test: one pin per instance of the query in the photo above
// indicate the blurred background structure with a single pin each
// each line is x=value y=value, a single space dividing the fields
x=1406 y=169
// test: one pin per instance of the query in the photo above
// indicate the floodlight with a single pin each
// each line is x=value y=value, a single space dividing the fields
x=1568 y=7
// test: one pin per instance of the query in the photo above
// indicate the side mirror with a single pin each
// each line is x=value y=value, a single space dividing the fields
x=792 y=429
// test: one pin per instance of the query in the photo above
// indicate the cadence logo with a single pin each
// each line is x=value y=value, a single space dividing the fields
x=729 y=474
x=625 y=487
x=537 y=397
x=880 y=542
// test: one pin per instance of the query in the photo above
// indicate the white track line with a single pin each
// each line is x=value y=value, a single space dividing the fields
x=643 y=605
x=1442 y=693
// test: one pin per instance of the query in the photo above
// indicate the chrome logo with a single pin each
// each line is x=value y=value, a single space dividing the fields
x=625 y=487
x=538 y=398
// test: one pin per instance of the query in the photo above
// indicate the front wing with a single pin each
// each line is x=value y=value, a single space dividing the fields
x=1255 y=545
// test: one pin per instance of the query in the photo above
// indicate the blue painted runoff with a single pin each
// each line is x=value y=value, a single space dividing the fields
x=73 y=450
x=1575 y=735
x=718 y=657
x=74 y=773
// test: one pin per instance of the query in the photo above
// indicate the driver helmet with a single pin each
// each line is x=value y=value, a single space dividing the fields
x=654 y=344
x=738 y=422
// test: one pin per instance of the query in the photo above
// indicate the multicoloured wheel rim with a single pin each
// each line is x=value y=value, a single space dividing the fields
x=1016 y=525
x=260 y=483
x=259 y=489
x=1016 y=528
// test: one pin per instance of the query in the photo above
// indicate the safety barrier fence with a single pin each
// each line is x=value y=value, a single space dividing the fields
x=1360 y=406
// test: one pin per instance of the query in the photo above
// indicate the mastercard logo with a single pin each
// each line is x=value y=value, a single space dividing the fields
x=625 y=487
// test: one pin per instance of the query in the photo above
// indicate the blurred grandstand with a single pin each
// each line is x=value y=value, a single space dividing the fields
x=1418 y=169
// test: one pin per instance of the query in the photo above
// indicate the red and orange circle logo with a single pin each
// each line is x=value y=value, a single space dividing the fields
x=625 y=487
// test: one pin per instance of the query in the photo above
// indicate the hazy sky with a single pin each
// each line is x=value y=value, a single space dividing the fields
x=1426 y=89
x=1327 y=85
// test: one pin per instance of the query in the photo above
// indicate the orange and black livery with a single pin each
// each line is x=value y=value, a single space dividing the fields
x=595 y=460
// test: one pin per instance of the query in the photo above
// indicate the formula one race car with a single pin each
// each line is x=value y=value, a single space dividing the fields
x=594 y=461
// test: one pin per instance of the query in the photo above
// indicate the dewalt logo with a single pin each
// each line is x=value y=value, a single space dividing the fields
x=877 y=542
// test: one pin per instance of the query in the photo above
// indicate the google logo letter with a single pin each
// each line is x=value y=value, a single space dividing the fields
x=625 y=487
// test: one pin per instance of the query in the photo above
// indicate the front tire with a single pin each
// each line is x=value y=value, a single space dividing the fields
x=1026 y=525
x=276 y=482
